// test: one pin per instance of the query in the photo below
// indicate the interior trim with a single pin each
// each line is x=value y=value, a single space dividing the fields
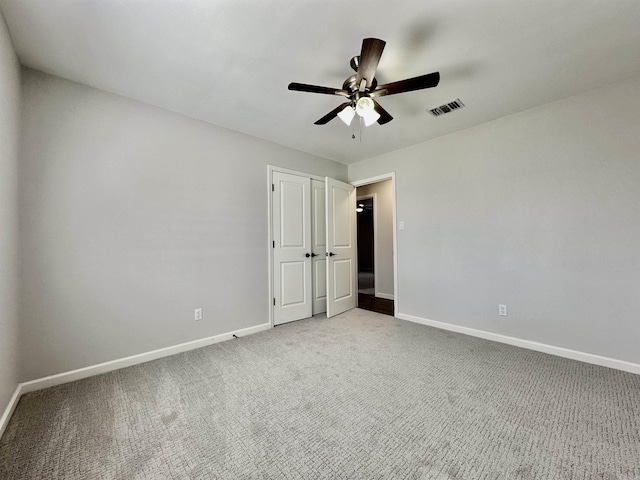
x=80 y=373
x=13 y=403
x=386 y=296
x=529 y=344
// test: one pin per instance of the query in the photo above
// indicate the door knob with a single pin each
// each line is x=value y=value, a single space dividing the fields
x=307 y=255
x=314 y=254
x=331 y=254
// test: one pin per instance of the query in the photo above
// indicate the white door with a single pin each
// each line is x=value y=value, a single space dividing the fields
x=318 y=246
x=291 y=248
x=341 y=247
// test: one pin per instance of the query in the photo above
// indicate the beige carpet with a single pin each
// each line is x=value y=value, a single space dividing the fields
x=360 y=396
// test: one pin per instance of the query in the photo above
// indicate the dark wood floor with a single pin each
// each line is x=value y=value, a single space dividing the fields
x=375 y=304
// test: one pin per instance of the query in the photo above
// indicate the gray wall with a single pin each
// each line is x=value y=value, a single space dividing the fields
x=134 y=216
x=383 y=243
x=9 y=268
x=540 y=211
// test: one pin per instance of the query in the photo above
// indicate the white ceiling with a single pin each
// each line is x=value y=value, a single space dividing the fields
x=229 y=61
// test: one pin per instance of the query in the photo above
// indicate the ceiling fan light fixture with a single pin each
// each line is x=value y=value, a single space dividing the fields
x=364 y=105
x=366 y=109
x=347 y=114
x=370 y=118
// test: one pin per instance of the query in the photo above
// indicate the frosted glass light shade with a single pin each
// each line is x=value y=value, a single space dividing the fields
x=371 y=117
x=364 y=105
x=366 y=109
x=347 y=114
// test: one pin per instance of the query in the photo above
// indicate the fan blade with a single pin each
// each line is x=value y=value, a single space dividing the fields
x=369 y=57
x=303 y=87
x=417 y=83
x=385 y=117
x=332 y=114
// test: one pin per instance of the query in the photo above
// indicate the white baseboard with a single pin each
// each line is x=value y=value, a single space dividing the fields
x=85 y=372
x=529 y=344
x=13 y=403
x=105 y=367
x=387 y=296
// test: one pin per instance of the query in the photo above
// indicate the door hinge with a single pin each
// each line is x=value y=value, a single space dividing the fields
x=273 y=187
x=274 y=302
x=274 y=244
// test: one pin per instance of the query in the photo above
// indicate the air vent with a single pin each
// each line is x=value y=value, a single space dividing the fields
x=447 y=107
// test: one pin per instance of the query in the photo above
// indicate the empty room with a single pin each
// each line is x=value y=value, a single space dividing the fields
x=320 y=240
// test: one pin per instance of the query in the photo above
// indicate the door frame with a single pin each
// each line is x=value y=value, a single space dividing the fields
x=270 y=170
x=380 y=178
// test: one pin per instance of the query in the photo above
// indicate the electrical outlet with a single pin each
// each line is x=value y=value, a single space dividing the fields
x=401 y=225
x=198 y=314
x=502 y=310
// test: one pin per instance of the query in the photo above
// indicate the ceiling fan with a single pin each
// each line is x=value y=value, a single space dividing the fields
x=362 y=88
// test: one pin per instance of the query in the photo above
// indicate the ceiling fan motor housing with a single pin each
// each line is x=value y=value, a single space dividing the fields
x=351 y=85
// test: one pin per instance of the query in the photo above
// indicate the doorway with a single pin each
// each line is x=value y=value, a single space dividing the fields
x=375 y=229
x=366 y=245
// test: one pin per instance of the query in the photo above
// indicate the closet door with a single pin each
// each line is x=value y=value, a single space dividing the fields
x=341 y=247
x=318 y=247
x=292 y=273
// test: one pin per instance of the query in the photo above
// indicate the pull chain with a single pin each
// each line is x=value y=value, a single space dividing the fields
x=353 y=131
